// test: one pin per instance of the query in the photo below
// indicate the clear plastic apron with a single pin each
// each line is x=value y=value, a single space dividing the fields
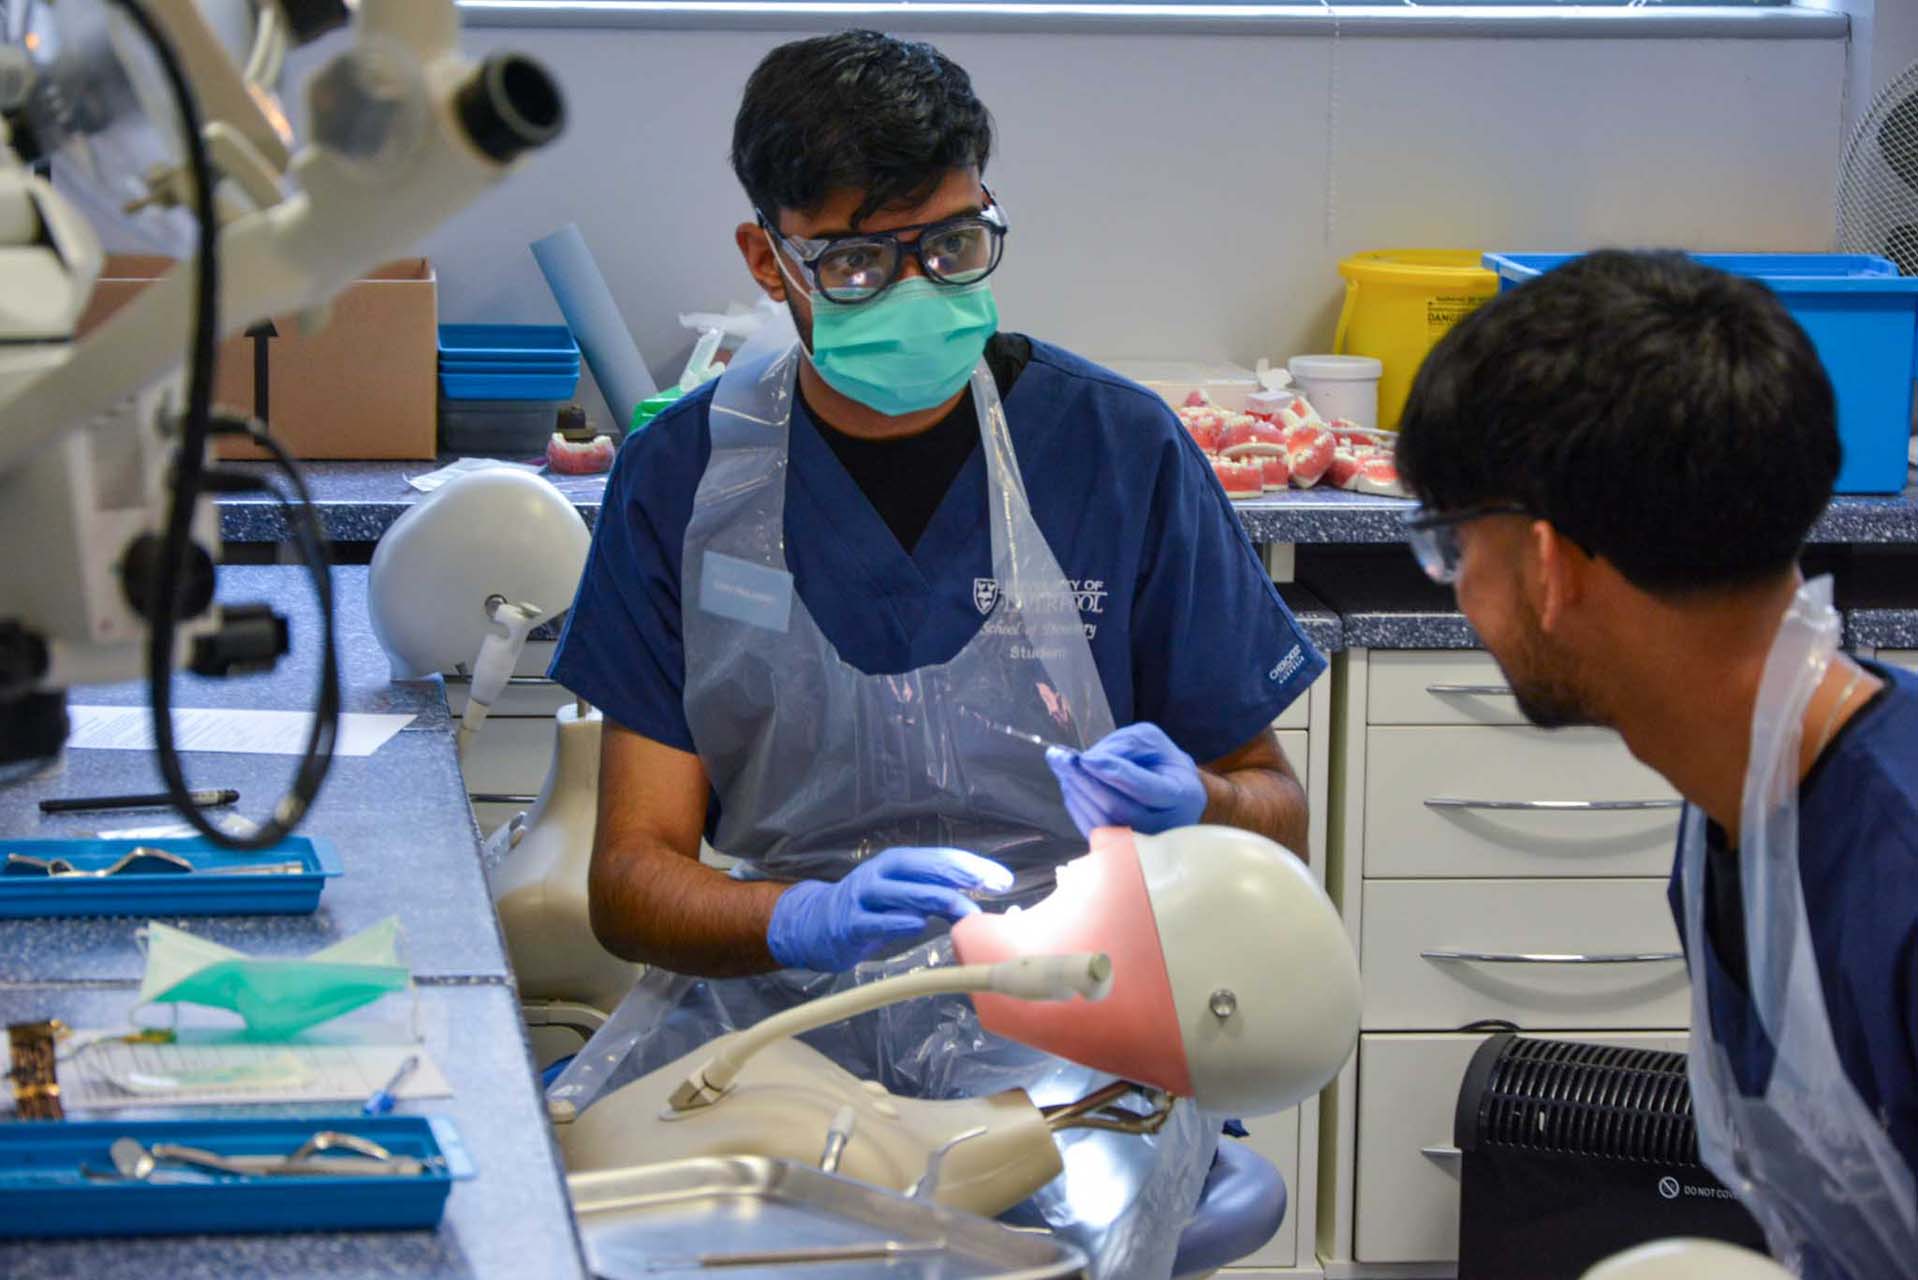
x=818 y=765
x=1808 y=1159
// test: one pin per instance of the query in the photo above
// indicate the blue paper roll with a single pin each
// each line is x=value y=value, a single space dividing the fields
x=589 y=309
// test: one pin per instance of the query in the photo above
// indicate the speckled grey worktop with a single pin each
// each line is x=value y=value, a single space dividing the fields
x=365 y=683
x=398 y=817
x=1388 y=603
x=406 y=839
x=1879 y=594
x=510 y=1221
x=1321 y=626
x=359 y=500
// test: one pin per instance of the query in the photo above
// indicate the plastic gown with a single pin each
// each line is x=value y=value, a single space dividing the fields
x=1808 y=1159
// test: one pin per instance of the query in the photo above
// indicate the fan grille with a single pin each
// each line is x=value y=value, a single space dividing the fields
x=1878 y=182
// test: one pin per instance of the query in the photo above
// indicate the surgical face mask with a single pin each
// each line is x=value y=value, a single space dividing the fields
x=911 y=348
x=277 y=998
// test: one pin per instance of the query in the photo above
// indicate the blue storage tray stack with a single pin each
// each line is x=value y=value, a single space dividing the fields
x=1861 y=315
x=45 y=1191
x=508 y=362
x=167 y=893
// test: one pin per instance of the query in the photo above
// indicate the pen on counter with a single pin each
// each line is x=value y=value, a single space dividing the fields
x=88 y=804
x=382 y=1101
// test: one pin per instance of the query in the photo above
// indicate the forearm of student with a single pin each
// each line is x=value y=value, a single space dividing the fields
x=651 y=898
x=654 y=905
x=1255 y=789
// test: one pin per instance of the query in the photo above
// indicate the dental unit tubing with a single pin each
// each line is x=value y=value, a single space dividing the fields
x=1027 y=978
x=498 y=655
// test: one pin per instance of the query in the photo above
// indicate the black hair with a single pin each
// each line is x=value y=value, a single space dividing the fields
x=1666 y=416
x=856 y=111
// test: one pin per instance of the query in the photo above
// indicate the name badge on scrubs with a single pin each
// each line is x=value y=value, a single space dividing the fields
x=745 y=592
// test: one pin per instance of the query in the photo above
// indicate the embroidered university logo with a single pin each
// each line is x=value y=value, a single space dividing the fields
x=985 y=593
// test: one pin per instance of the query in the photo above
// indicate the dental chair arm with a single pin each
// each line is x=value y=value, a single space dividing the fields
x=1027 y=978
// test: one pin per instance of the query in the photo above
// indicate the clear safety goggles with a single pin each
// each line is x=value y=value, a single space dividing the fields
x=1433 y=536
x=858 y=268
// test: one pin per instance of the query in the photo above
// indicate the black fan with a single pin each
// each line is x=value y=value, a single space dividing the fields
x=1878 y=182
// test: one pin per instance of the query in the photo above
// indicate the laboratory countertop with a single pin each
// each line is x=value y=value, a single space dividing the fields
x=398 y=817
x=1321 y=626
x=1392 y=605
x=359 y=500
x=1395 y=607
x=1879 y=595
x=511 y=1219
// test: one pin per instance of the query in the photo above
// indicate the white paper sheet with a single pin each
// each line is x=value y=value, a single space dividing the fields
x=110 y=1075
x=242 y=732
x=461 y=466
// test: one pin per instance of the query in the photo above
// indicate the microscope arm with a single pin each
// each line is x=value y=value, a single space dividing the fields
x=349 y=212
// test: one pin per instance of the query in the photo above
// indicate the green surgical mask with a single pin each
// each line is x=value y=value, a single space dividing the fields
x=912 y=347
x=277 y=998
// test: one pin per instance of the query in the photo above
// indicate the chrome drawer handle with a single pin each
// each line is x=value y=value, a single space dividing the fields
x=1469 y=690
x=1531 y=957
x=494 y=797
x=456 y=677
x=1553 y=806
x=1441 y=1153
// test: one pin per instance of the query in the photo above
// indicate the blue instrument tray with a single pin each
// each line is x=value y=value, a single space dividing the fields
x=507 y=341
x=515 y=366
x=167 y=893
x=509 y=386
x=44 y=1191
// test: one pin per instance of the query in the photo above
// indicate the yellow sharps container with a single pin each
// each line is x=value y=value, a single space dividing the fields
x=1399 y=303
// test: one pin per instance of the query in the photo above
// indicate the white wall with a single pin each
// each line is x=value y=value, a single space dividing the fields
x=1190 y=195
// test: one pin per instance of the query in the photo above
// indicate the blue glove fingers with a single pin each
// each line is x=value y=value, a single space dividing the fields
x=926 y=899
x=954 y=868
x=1111 y=806
x=1153 y=790
x=1143 y=742
x=1083 y=815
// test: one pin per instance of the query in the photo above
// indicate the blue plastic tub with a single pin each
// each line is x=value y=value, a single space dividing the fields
x=1861 y=315
x=44 y=1191
x=507 y=341
x=169 y=893
x=509 y=386
x=467 y=364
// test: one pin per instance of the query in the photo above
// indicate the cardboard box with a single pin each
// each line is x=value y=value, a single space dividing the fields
x=364 y=386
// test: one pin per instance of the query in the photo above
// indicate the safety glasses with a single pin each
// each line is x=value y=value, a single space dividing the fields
x=858 y=268
x=1433 y=536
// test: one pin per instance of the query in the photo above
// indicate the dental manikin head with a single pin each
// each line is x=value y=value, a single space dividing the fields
x=1234 y=981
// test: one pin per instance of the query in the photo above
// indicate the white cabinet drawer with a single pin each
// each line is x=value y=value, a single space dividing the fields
x=1406 y=1206
x=536 y=657
x=530 y=694
x=1297 y=746
x=1299 y=714
x=1507 y=801
x=490 y=816
x=509 y=756
x=525 y=696
x=1438 y=686
x=1907 y=658
x=1277 y=1139
x=1441 y=954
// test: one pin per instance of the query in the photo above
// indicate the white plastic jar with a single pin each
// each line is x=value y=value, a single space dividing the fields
x=1340 y=386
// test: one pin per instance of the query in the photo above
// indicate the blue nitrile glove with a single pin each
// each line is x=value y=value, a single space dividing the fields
x=829 y=927
x=1133 y=777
